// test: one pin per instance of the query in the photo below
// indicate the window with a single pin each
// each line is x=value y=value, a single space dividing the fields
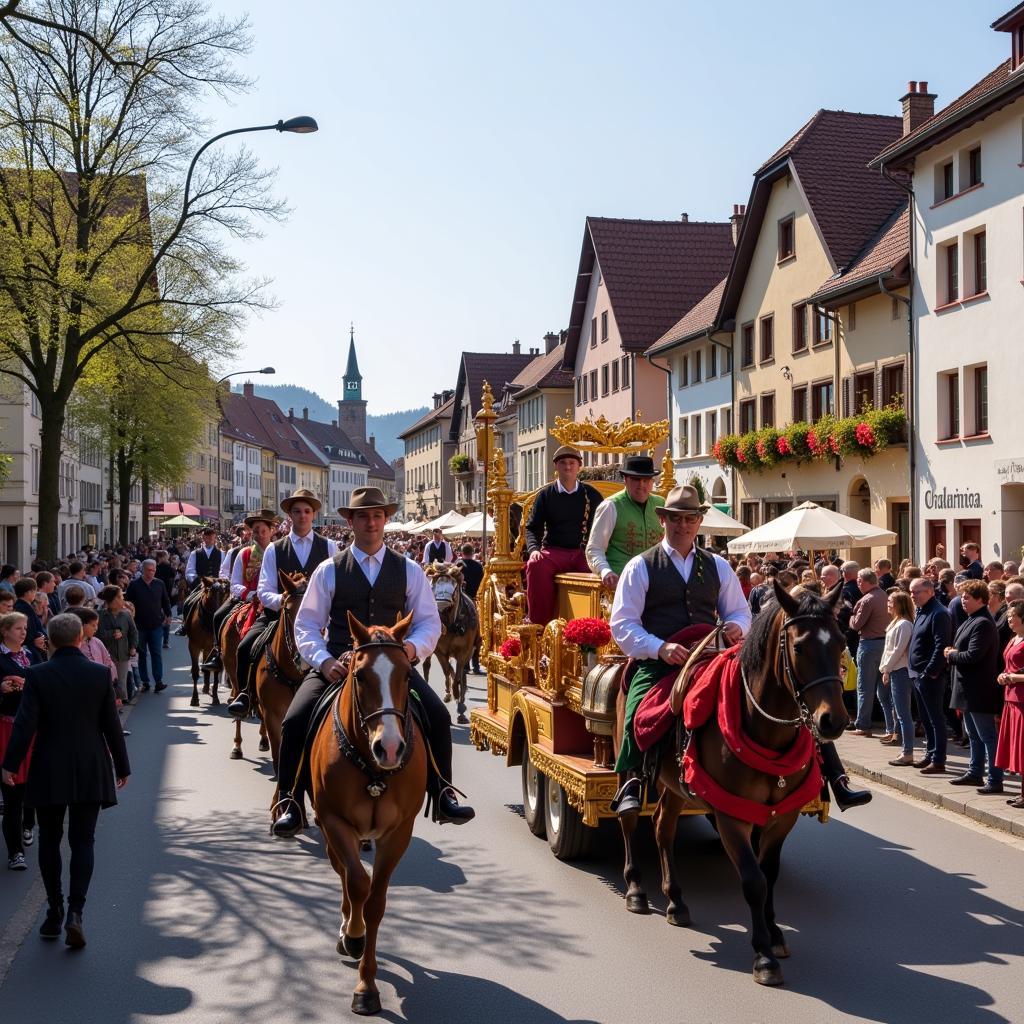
x=894 y=309
x=605 y=380
x=892 y=384
x=695 y=435
x=747 y=352
x=35 y=470
x=712 y=427
x=851 y=316
x=767 y=338
x=726 y=419
x=712 y=361
x=583 y=388
x=822 y=326
x=749 y=514
x=684 y=371
x=604 y=325
x=863 y=391
x=625 y=371
x=800 y=403
x=593 y=333
x=981 y=400
x=974 y=167
x=615 y=375
x=980 y=264
x=951 y=269
x=579 y=390
x=768 y=410
x=949 y=405
x=728 y=360
x=698 y=370
x=945 y=182
x=748 y=415
x=787 y=239
x=821 y=399
x=799 y=327
x=684 y=443
x=593 y=385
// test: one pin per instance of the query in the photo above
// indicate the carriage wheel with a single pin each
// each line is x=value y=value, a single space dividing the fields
x=568 y=837
x=534 y=784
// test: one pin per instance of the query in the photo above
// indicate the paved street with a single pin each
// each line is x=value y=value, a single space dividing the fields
x=898 y=913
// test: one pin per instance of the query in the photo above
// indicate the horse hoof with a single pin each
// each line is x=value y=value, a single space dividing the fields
x=215 y=702
x=678 y=917
x=365 y=1003
x=447 y=698
x=206 y=688
x=264 y=744
x=767 y=971
x=462 y=720
x=339 y=946
x=354 y=948
x=236 y=754
x=780 y=952
x=638 y=904
x=194 y=702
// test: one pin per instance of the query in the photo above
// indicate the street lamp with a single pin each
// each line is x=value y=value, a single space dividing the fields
x=240 y=373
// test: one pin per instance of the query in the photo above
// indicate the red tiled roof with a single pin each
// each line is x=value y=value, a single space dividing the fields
x=497 y=368
x=240 y=421
x=544 y=371
x=329 y=435
x=284 y=439
x=884 y=253
x=379 y=466
x=954 y=113
x=696 y=322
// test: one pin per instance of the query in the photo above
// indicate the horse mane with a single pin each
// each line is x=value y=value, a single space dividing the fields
x=758 y=648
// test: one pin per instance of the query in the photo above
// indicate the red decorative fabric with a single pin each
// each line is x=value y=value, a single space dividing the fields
x=6 y=728
x=244 y=616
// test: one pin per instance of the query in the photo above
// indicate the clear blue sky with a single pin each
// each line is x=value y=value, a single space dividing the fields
x=461 y=145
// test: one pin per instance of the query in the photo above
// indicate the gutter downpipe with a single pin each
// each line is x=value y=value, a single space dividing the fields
x=668 y=396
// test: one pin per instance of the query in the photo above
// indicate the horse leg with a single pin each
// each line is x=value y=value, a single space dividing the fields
x=736 y=838
x=666 y=821
x=264 y=739
x=215 y=696
x=194 y=654
x=446 y=668
x=343 y=848
x=771 y=860
x=426 y=669
x=236 y=750
x=636 y=898
x=461 y=685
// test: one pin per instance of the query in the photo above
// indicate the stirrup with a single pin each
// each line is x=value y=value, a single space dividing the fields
x=627 y=800
x=290 y=805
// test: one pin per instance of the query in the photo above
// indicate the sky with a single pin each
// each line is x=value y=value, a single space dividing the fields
x=440 y=207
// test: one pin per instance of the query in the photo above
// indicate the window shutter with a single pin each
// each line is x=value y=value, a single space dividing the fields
x=847 y=388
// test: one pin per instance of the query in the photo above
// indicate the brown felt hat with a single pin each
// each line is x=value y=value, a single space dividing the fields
x=302 y=494
x=262 y=515
x=567 y=452
x=683 y=499
x=368 y=497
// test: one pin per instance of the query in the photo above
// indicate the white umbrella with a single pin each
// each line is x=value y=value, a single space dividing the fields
x=452 y=518
x=471 y=526
x=809 y=526
x=718 y=524
x=396 y=528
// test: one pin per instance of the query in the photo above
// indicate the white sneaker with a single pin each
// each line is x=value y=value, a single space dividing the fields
x=17 y=863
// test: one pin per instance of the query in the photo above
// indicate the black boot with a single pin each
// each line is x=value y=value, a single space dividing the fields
x=239 y=707
x=74 y=936
x=181 y=631
x=289 y=823
x=50 y=928
x=628 y=799
x=213 y=662
x=835 y=772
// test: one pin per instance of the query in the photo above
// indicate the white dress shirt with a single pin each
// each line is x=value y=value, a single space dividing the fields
x=269 y=586
x=448 y=556
x=631 y=594
x=562 y=490
x=315 y=611
x=190 y=567
x=227 y=560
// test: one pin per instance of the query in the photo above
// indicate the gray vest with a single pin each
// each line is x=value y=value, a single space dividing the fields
x=672 y=603
x=289 y=561
x=380 y=605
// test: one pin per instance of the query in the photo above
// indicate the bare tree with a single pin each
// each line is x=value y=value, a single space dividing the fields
x=99 y=248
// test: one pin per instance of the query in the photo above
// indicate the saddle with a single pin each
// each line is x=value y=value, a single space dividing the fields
x=243 y=616
x=465 y=620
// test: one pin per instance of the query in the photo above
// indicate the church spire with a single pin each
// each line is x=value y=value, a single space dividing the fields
x=352 y=389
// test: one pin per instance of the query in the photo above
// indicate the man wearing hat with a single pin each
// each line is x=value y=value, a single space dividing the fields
x=557 y=532
x=626 y=523
x=438 y=550
x=202 y=561
x=227 y=563
x=661 y=592
x=378 y=586
x=301 y=550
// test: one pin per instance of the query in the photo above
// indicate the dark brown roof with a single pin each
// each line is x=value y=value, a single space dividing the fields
x=849 y=202
x=283 y=438
x=379 y=466
x=444 y=410
x=544 y=371
x=887 y=254
x=999 y=87
x=330 y=439
x=697 y=322
x=240 y=422
x=655 y=271
x=497 y=368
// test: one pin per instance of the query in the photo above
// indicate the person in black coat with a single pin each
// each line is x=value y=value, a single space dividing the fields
x=929 y=670
x=975 y=657
x=472 y=577
x=68 y=707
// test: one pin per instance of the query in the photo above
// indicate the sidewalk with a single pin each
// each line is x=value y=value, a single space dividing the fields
x=868 y=758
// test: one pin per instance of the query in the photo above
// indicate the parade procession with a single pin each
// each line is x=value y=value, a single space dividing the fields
x=359 y=659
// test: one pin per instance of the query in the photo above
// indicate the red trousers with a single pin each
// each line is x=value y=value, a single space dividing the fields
x=540 y=580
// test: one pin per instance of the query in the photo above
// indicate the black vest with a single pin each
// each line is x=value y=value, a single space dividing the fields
x=436 y=552
x=672 y=603
x=207 y=566
x=289 y=561
x=380 y=605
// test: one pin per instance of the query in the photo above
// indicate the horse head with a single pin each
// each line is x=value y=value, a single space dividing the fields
x=811 y=647
x=445 y=583
x=214 y=590
x=293 y=587
x=379 y=676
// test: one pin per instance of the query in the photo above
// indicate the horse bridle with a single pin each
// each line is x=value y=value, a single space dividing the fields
x=796 y=688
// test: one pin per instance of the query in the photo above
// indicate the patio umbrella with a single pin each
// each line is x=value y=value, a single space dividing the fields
x=180 y=521
x=718 y=524
x=471 y=526
x=174 y=508
x=811 y=527
x=452 y=518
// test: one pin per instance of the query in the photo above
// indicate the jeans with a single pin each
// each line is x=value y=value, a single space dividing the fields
x=901 y=687
x=869 y=657
x=931 y=699
x=981 y=728
x=884 y=694
x=150 y=640
x=81 y=833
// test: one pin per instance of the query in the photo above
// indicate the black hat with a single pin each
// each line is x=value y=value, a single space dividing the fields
x=638 y=465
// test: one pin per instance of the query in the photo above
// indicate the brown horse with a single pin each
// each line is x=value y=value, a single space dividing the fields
x=280 y=669
x=229 y=641
x=200 y=635
x=460 y=630
x=368 y=769
x=790 y=670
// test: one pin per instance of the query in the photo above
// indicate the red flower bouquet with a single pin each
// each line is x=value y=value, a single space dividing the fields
x=782 y=446
x=588 y=634
x=511 y=648
x=865 y=436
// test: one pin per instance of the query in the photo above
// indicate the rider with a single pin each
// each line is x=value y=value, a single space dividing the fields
x=661 y=591
x=626 y=523
x=438 y=550
x=213 y=661
x=378 y=586
x=301 y=550
x=202 y=561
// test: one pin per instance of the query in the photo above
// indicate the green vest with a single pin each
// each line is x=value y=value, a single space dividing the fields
x=636 y=529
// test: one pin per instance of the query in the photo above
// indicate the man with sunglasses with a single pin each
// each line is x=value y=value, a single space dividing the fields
x=662 y=591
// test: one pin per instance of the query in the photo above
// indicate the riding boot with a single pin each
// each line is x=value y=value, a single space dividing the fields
x=239 y=707
x=181 y=631
x=628 y=800
x=835 y=773
x=288 y=824
x=213 y=661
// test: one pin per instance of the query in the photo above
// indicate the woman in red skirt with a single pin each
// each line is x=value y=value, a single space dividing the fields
x=1010 y=751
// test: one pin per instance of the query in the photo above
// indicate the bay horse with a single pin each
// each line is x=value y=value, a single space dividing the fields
x=460 y=630
x=789 y=664
x=200 y=635
x=368 y=774
x=280 y=669
x=229 y=641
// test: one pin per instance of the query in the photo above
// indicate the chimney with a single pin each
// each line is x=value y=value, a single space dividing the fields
x=918 y=106
x=291 y=415
x=685 y=218
x=550 y=342
x=372 y=441
x=516 y=348
x=334 y=423
x=738 y=213
x=305 y=413
x=247 y=389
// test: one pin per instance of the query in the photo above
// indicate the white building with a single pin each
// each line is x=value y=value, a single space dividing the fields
x=968 y=307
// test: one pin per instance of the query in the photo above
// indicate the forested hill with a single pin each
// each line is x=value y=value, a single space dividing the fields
x=385 y=428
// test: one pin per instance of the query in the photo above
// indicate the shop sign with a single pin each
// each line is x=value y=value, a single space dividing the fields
x=952 y=499
x=1010 y=471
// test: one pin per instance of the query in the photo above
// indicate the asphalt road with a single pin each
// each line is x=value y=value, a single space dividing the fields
x=896 y=913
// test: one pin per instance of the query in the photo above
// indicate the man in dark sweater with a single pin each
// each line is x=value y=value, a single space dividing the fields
x=472 y=577
x=557 y=532
x=152 y=611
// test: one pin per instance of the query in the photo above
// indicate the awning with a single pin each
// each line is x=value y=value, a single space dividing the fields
x=174 y=508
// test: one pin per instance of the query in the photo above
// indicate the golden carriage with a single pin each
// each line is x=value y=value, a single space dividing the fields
x=550 y=708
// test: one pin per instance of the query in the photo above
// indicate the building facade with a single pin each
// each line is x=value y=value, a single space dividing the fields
x=429 y=485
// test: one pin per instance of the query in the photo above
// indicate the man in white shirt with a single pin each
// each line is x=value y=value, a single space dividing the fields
x=662 y=591
x=242 y=532
x=438 y=550
x=377 y=586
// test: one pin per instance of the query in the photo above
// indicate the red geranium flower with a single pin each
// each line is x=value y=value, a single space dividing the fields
x=762 y=449
x=782 y=446
x=812 y=443
x=865 y=435
x=833 y=444
x=511 y=648
x=740 y=457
